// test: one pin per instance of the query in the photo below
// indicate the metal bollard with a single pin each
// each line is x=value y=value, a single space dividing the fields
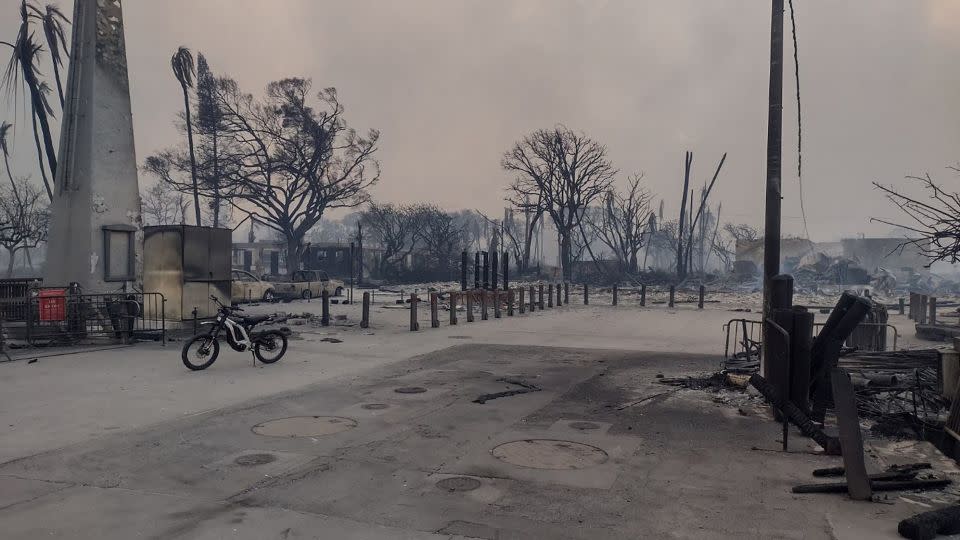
x=673 y=290
x=540 y=297
x=616 y=295
x=470 y=306
x=483 y=305
x=365 y=318
x=453 y=309
x=496 y=303
x=414 y=324
x=509 y=302
x=559 y=295
x=566 y=293
x=434 y=311
x=586 y=294
x=643 y=295
x=550 y=295
x=700 y=302
x=520 y=303
x=325 y=313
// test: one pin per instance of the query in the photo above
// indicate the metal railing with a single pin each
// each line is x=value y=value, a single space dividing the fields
x=49 y=316
x=744 y=336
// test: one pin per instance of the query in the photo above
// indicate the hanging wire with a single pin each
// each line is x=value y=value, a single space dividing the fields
x=796 y=72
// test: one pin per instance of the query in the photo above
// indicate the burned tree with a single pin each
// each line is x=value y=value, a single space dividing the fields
x=566 y=172
x=24 y=219
x=393 y=228
x=934 y=222
x=623 y=223
x=440 y=237
x=161 y=205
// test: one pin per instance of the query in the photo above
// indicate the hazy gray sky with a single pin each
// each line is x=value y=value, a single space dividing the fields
x=451 y=84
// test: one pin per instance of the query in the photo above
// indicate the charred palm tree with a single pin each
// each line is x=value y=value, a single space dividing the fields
x=183 y=70
x=22 y=71
x=52 y=20
x=5 y=149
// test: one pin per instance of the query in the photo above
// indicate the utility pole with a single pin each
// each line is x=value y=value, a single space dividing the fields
x=771 y=231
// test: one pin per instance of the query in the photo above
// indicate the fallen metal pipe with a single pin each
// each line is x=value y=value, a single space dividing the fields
x=928 y=525
x=895 y=485
x=831 y=445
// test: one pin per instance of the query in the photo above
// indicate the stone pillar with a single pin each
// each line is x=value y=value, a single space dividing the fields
x=434 y=311
x=325 y=308
x=533 y=301
x=470 y=306
x=414 y=323
x=643 y=294
x=540 y=297
x=509 y=302
x=95 y=236
x=365 y=319
x=520 y=304
x=550 y=295
x=483 y=305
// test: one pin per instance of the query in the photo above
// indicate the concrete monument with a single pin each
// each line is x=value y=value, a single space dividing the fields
x=95 y=232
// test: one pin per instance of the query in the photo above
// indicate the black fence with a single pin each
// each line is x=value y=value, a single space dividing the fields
x=49 y=316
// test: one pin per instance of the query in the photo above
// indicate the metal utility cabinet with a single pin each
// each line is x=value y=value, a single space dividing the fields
x=187 y=264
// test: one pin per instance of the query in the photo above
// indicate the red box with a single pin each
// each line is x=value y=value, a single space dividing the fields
x=53 y=304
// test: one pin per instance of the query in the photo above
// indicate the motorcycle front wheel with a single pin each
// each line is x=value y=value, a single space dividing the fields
x=270 y=346
x=200 y=352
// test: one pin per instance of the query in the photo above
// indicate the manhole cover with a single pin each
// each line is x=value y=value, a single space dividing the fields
x=459 y=483
x=550 y=454
x=252 y=460
x=411 y=390
x=375 y=406
x=304 y=426
x=584 y=426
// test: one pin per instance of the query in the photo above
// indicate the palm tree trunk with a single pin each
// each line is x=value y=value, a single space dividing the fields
x=13 y=185
x=193 y=158
x=56 y=76
x=41 y=114
x=36 y=140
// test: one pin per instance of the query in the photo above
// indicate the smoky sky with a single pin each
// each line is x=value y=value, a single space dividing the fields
x=452 y=84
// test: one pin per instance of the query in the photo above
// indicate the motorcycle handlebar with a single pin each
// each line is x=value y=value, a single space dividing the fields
x=222 y=306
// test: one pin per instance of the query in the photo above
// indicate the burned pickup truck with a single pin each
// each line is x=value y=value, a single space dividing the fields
x=308 y=284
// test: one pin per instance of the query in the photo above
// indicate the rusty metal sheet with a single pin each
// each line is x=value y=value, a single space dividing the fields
x=851 y=440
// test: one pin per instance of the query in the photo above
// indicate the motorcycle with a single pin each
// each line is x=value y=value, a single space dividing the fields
x=268 y=346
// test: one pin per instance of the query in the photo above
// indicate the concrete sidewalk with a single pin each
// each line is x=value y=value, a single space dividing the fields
x=601 y=451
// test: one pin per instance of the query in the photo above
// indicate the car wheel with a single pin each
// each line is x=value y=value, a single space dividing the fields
x=307 y=294
x=268 y=295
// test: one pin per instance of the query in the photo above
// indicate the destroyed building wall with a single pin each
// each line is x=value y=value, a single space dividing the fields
x=874 y=253
x=790 y=248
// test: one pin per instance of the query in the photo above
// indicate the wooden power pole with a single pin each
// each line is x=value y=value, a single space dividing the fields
x=771 y=231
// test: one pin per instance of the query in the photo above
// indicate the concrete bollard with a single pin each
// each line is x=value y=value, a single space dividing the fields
x=901 y=305
x=365 y=317
x=550 y=295
x=643 y=295
x=673 y=290
x=559 y=295
x=922 y=311
x=700 y=302
x=533 y=300
x=483 y=305
x=414 y=324
x=520 y=303
x=470 y=306
x=616 y=295
x=453 y=309
x=932 y=319
x=566 y=293
x=586 y=294
x=496 y=303
x=434 y=311
x=540 y=297
x=325 y=313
